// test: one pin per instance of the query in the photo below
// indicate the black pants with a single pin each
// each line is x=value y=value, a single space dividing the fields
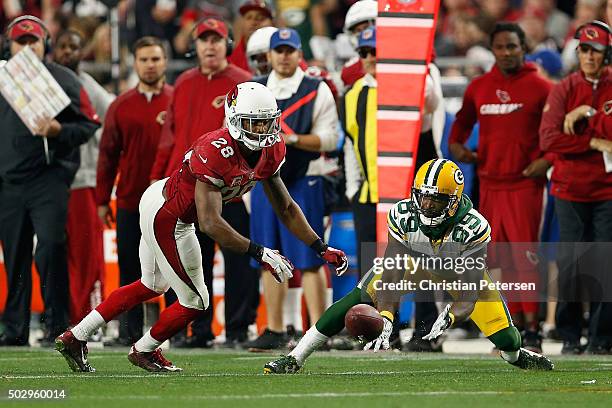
x=128 y=242
x=364 y=216
x=425 y=311
x=241 y=282
x=39 y=207
x=582 y=222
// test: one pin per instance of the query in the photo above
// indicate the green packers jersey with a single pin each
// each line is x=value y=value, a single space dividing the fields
x=467 y=234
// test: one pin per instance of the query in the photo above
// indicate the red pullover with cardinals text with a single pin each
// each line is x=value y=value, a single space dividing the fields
x=509 y=110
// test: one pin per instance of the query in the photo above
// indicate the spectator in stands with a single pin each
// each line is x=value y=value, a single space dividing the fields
x=156 y=18
x=254 y=14
x=129 y=142
x=195 y=11
x=197 y=108
x=609 y=12
x=471 y=39
x=83 y=227
x=450 y=12
x=580 y=183
x=35 y=176
x=508 y=103
x=360 y=16
x=556 y=21
x=499 y=10
x=309 y=126
x=533 y=23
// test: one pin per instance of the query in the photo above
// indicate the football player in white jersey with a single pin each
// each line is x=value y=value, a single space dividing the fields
x=437 y=223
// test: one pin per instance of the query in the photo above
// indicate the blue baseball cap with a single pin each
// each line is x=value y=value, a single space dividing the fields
x=549 y=60
x=286 y=36
x=367 y=38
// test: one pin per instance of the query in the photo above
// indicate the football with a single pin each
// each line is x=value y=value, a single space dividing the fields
x=364 y=321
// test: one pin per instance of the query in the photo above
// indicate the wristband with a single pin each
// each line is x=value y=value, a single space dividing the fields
x=387 y=314
x=319 y=246
x=256 y=251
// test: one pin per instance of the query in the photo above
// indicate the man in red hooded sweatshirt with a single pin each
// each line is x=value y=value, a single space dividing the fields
x=508 y=103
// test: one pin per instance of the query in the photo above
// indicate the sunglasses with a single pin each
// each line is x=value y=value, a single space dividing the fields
x=365 y=51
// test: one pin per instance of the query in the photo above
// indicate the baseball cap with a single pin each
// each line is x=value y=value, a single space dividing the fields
x=549 y=60
x=367 y=38
x=27 y=27
x=211 y=24
x=286 y=36
x=593 y=35
x=260 y=5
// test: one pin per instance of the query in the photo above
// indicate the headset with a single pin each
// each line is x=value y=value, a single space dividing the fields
x=603 y=26
x=6 y=46
x=229 y=42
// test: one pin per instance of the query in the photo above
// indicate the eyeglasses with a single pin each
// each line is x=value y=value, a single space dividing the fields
x=363 y=52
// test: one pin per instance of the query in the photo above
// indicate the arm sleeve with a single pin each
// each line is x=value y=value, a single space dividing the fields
x=351 y=168
x=325 y=118
x=552 y=138
x=165 y=146
x=465 y=119
x=111 y=145
x=600 y=125
x=79 y=121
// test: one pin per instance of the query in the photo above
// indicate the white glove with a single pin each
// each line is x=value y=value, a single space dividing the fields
x=442 y=323
x=279 y=266
x=383 y=339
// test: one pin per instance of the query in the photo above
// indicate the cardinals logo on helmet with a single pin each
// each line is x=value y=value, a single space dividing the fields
x=232 y=96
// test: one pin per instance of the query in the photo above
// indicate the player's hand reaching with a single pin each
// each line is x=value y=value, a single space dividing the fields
x=383 y=339
x=443 y=322
x=272 y=261
x=331 y=255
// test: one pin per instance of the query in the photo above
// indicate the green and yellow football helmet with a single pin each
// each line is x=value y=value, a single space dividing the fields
x=437 y=190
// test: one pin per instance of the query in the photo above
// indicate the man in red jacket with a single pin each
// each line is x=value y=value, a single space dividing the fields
x=128 y=145
x=197 y=108
x=508 y=103
x=574 y=128
x=254 y=14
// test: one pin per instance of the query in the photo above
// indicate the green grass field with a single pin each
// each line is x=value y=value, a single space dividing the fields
x=333 y=379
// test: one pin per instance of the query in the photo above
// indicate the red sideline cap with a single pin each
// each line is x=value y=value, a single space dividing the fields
x=256 y=5
x=26 y=27
x=594 y=36
x=211 y=24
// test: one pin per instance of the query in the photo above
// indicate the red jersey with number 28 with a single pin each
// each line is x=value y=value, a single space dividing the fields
x=215 y=159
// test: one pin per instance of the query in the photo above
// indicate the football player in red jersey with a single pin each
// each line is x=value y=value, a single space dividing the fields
x=220 y=166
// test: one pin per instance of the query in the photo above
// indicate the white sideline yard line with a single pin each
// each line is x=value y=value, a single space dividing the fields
x=300 y=395
x=176 y=375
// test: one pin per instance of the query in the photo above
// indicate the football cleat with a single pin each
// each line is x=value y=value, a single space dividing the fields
x=74 y=351
x=528 y=360
x=152 y=361
x=282 y=365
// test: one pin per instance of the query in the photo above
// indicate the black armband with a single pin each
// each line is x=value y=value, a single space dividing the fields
x=256 y=251
x=319 y=246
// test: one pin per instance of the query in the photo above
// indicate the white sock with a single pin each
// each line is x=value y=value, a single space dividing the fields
x=510 y=356
x=312 y=340
x=147 y=343
x=88 y=326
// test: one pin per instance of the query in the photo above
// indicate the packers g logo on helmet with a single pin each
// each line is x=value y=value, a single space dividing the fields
x=436 y=193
